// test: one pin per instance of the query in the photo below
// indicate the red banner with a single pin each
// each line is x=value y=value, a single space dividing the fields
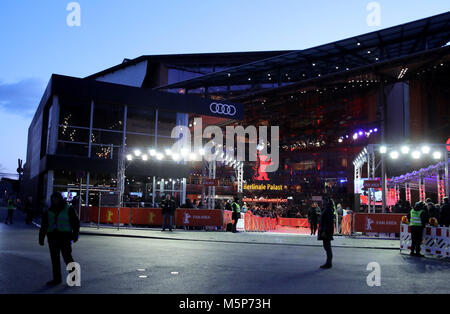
x=293 y=222
x=198 y=217
x=259 y=224
x=347 y=225
x=372 y=184
x=378 y=223
x=110 y=215
x=147 y=216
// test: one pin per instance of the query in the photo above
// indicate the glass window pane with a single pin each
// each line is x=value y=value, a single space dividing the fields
x=108 y=116
x=166 y=122
x=140 y=120
x=74 y=112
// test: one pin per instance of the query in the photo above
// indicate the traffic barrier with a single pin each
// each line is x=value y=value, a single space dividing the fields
x=199 y=217
x=347 y=224
x=258 y=224
x=377 y=223
x=293 y=222
x=153 y=216
x=436 y=240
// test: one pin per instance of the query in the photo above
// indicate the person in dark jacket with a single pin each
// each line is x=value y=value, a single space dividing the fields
x=418 y=218
x=313 y=218
x=168 y=210
x=445 y=213
x=61 y=225
x=326 y=230
x=433 y=211
x=236 y=213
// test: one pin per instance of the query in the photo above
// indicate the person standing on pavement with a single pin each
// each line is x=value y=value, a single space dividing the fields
x=236 y=209
x=313 y=218
x=326 y=230
x=61 y=225
x=445 y=213
x=418 y=218
x=339 y=214
x=10 y=212
x=168 y=210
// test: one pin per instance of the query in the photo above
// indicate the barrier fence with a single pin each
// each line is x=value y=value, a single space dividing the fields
x=347 y=221
x=436 y=240
x=366 y=223
x=251 y=222
x=151 y=216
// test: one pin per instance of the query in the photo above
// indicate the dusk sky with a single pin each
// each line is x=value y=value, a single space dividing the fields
x=36 y=41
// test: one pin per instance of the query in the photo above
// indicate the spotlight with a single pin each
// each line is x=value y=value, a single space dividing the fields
x=416 y=154
x=201 y=151
x=405 y=150
x=394 y=155
x=144 y=157
x=129 y=157
x=437 y=155
x=137 y=152
x=340 y=140
x=176 y=157
x=159 y=156
x=355 y=136
x=152 y=152
x=383 y=149
x=425 y=149
x=168 y=152
x=184 y=151
x=192 y=156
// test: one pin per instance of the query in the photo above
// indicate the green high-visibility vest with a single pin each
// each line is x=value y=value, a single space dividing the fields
x=238 y=208
x=415 y=218
x=10 y=205
x=59 y=223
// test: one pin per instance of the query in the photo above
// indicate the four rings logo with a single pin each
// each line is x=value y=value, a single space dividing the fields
x=228 y=110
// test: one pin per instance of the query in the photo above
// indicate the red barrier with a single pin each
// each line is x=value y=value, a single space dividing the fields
x=377 y=223
x=198 y=217
x=259 y=224
x=293 y=222
x=110 y=215
x=153 y=216
x=227 y=215
x=147 y=216
x=347 y=225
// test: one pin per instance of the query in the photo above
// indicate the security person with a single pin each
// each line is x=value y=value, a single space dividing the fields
x=418 y=218
x=10 y=212
x=61 y=226
x=236 y=213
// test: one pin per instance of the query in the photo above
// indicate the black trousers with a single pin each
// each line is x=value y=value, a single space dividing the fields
x=59 y=245
x=9 y=217
x=327 y=247
x=313 y=226
x=235 y=217
x=416 y=238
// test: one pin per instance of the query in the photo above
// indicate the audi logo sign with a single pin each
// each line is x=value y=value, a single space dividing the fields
x=228 y=110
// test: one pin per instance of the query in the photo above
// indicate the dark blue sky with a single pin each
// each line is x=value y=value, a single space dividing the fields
x=35 y=40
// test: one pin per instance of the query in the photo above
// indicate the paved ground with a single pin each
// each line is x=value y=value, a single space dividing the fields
x=243 y=238
x=110 y=265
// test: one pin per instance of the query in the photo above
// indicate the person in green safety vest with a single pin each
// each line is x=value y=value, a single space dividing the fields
x=61 y=225
x=418 y=218
x=236 y=215
x=10 y=212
